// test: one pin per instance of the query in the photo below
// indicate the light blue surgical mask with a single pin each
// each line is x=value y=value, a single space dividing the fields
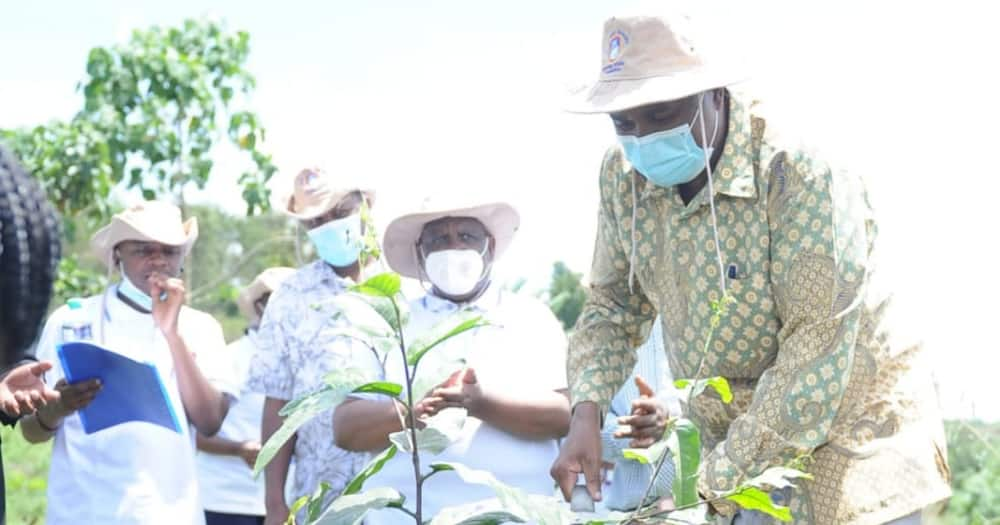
x=670 y=157
x=132 y=292
x=339 y=241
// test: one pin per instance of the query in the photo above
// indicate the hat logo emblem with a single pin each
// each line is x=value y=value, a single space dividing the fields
x=615 y=45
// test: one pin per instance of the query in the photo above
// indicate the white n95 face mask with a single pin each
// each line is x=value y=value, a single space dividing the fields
x=455 y=272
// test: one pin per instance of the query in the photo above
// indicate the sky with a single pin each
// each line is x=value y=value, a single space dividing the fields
x=463 y=101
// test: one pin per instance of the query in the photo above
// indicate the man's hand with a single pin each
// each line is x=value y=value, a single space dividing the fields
x=580 y=452
x=22 y=390
x=277 y=514
x=72 y=397
x=248 y=452
x=460 y=390
x=648 y=420
x=168 y=297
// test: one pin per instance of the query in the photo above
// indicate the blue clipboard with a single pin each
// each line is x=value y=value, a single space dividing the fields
x=132 y=391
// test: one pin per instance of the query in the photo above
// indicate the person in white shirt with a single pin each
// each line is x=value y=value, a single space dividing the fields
x=134 y=472
x=509 y=377
x=299 y=343
x=229 y=493
x=637 y=418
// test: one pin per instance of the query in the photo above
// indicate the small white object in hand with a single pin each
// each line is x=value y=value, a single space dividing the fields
x=580 y=500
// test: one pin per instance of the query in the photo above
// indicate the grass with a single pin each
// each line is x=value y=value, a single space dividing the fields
x=26 y=468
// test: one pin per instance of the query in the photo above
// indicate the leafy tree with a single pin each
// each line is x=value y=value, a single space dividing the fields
x=229 y=253
x=159 y=100
x=155 y=110
x=974 y=459
x=566 y=294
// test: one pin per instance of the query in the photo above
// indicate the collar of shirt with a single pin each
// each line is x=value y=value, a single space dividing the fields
x=733 y=175
x=489 y=300
x=319 y=273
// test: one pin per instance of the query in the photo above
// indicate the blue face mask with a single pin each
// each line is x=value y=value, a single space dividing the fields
x=338 y=242
x=132 y=292
x=667 y=158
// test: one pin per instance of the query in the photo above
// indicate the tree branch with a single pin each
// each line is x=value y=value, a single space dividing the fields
x=205 y=288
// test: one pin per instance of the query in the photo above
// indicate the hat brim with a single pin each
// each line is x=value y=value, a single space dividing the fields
x=119 y=230
x=283 y=202
x=400 y=240
x=610 y=96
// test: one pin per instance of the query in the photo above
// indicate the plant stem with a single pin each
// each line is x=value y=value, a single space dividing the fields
x=713 y=324
x=656 y=472
x=411 y=416
x=406 y=510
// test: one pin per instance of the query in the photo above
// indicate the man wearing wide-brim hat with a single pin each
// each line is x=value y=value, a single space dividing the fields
x=700 y=202
x=133 y=472
x=509 y=377
x=297 y=345
x=229 y=492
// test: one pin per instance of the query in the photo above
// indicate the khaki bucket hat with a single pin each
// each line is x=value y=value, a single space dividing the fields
x=650 y=59
x=402 y=234
x=149 y=221
x=314 y=192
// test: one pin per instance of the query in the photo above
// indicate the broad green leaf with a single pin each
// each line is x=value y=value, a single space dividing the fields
x=346 y=379
x=755 y=499
x=487 y=512
x=698 y=386
x=360 y=316
x=450 y=327
x=382 y=285
x=697 y=515
x=688 y=459
x=380 y=387
x=606 y=517
x=351 y=509
x=372 y=468
x=647 y=456
x=383 y=344
x=776 y=478
x=440 y=432
x=426 y=378
x=393 y=310
x=294 y=508
x=316 y=501
x=301 y=410
x=533 y=508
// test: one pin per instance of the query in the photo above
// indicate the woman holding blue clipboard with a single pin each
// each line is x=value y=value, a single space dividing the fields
x=133 y=395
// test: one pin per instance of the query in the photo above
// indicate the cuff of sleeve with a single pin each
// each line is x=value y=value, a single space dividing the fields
x=582 y=393
x=611 y=447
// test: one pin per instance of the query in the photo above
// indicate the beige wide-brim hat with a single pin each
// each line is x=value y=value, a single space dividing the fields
x=647 y=59
x=400 y=242
x=314 y=192
x=147 y=221
x=266 y=282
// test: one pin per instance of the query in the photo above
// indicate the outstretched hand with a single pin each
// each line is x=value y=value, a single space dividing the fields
x=22 y=390
x=648 y=420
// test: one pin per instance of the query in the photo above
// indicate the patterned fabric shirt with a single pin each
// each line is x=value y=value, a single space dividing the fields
x=807 y=345
x=297 y=349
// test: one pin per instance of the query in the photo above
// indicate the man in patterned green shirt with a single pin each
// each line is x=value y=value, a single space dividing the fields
x=807 y=344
